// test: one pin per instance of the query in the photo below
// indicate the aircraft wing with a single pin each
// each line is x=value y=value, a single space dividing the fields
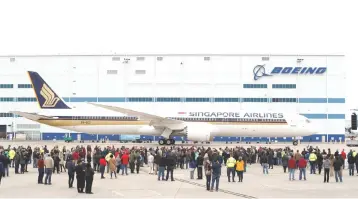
x=155 y=120
x=31 y=116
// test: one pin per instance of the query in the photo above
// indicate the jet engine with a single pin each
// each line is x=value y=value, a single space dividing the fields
x=199 y=131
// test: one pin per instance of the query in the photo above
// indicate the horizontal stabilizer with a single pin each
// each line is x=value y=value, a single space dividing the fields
x=31 y=116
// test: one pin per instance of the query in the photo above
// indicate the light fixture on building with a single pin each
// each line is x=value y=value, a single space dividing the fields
x=299 y=60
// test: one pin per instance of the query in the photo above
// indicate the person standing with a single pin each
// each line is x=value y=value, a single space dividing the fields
x=199 y=165
x=41 y=168
x=112 y=166
x=71 y=172
x=319 y=162
x=125 y=161
x=240 y=168
x=302 y=164
x=312 y=159
x=351 y=164
x=284 y=162
x=80 y=176
x=151 y=163
x=161 y=167
x=216 y=173
x=291 y=168
x=344 y=156
x=102 y=166
x=230 y=164
x=192 y=167
x=337 y=165
x=208 y=171
x=89 y=178
x=326 y=166
x=264 y=163
x=49 y=164
x=170 y=163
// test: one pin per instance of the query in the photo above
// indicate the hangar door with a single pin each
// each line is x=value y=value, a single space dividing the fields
x=2 y=131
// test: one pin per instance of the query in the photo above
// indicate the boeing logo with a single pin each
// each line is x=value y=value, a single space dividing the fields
x=260 y=71
x=50 y=99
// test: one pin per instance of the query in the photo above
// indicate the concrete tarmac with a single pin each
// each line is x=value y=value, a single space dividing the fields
x=143 y=185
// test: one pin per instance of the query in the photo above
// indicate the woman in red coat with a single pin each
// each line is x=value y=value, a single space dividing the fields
x=291 y=168
x=102 y=166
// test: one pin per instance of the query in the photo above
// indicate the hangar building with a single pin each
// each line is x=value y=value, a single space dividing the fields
x=312 y=85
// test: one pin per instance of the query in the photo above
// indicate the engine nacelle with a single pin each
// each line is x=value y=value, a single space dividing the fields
x=199 y=131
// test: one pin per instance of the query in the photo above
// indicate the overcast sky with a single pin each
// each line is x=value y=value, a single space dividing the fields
x=183 y=26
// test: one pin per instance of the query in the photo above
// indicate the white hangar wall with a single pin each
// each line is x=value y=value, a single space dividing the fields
x=172 y=83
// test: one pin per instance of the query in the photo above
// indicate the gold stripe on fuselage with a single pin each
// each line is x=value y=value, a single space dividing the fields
x=138 y=122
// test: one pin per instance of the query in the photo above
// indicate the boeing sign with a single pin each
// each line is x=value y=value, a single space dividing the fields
x=260 y=71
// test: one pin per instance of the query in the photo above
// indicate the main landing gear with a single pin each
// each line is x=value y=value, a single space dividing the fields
x=295 y=142
x=166 y=142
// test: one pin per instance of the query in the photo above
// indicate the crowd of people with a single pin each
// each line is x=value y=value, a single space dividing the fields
x=84 y=162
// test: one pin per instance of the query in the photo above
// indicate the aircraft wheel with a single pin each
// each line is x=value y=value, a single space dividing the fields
x=295 y=142
x=169 y=141
x=161 y=142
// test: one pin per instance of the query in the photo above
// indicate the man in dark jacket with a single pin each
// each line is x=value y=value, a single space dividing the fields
x=319 y=162
x=89 y=178
x=170 y=163
x=71 y=172
x=216 y=175
x=337 y=165
x=80 y=176
x=199 y=164
x=351 y=164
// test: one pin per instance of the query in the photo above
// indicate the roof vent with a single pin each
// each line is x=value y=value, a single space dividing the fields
x=116 y=58
x=265 y=58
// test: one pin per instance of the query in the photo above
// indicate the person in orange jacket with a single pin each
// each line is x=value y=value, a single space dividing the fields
x=240 y=167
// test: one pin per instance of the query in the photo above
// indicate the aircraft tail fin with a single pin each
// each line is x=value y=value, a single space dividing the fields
x=46 y=96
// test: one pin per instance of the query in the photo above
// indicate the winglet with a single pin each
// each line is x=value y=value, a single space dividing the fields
x=45 y=95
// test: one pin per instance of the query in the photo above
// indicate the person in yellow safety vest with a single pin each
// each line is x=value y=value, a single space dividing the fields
x=12 y=154
x=354 y=153
x=230 y=164
x=313 y=158
x=240 y=165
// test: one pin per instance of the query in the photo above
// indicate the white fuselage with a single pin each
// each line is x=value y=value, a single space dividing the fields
x=294 y=126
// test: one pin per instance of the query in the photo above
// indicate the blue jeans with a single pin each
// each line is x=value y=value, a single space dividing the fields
x=351 y=169
x=303 y=171
x=215 y=178
x=48 y=176
x=124 y=168
x=265 y=168
x=279 y=161
x=338 y=174
x=291 y=174
x=313 y=167
x=161 y=172
x=6 y=171
x=101 y=169
x=34 y=163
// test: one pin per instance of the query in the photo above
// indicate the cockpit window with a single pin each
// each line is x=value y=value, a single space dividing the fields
x=307 y=121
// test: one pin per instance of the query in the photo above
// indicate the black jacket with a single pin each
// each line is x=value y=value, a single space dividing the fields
x=200 y=161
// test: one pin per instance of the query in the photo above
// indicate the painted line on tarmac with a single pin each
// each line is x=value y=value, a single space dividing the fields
x=221 y=190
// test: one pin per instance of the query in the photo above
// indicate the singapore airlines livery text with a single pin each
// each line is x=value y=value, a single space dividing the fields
x=236 y=115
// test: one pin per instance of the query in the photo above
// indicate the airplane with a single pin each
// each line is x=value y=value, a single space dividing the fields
x=195 y=126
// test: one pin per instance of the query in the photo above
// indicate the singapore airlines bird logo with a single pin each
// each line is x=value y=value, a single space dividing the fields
x=49 y=96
